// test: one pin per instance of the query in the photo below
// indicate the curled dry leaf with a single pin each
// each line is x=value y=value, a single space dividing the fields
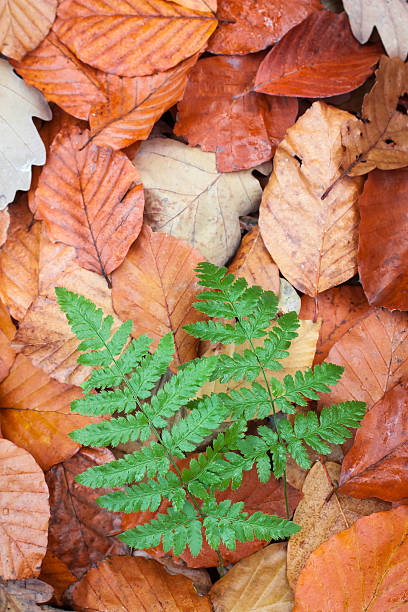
x=221 y=114
x=130 y=584
x=132 y=37
x=24 y=26
x=377 y=463
x=255 y=583
x=186 y=197
x=24 y=595
x=312 y=241
x=317 y=58
x=156 y=287
x=380 y=138
x=382 y=247
x=81 y=533
x=25 y=514
x=90 y=197
x=55 y=573
x=245 y=26
x=35 y=413
x=374 y=354
x=321 y=513
x=361 y=568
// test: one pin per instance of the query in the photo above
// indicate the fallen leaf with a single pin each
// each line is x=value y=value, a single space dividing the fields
x=24 y=27
x=24 y=595
x=377 y=464
x=4 y=225
x=288 y=298
x=380 y=138
x=382 y=249
x=21 y=146
x=321 y=513
x=25 y=513
x=187 y=198
x=374 y=354
x=312 y=241
x=132 y=37
x=156 y=287
x=199 y=5
x=81 y=533
x=245 y=27
x=130 y=584
x=390 y=17
x=91 y=198
x=339 y=309
x=35 y=413
x=361 y=568
x=221 y=114
x=255 y=583
x=317 y=58
x=55 y=573
x=198 y=576
x=7 y=331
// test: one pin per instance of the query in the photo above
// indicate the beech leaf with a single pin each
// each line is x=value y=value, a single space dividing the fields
x=24 y=595
x=22 y=29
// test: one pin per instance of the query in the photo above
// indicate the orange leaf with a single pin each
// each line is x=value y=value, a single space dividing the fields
x=199 y=5
x=131 y=584
x=219 y=113
x=81 y=533
x=132 y=37
x=25 y=513
x=55 y=573
x=317 y=58
x=90 y=197
x=377 y=463
x=4 y=224
x=24 y=26
x=7 y=331
x=155 y=287
x=247 y=26
x=361 y=568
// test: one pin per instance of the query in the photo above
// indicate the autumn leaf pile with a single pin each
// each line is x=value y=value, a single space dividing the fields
x=166 y=116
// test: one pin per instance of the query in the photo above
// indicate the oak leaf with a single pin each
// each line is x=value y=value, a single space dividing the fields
x=23 y=27
x=317 y=58
x=221 y=114
x=132 y=37
x=24 y=595
x=361 y=568
x=25 y=514
x=312 y=241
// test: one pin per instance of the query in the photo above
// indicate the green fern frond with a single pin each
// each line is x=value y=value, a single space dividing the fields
x=104 y=402
x=215 y=331
x=113 y=432
x=247 y=403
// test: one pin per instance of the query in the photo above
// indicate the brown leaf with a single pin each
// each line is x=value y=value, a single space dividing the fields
x=382 y=248
x=361 y=568
x=246 y=26
x=132 y=37
x=81 y=533
x=24 y=27
x=317 y=58
x=4 y=225
x=198 y=576
x=339 y=309
x=55 y=573
x=36 y=415
x=255 y=583
x=374 y=354
x=155 y=287
x=322 y=513
x=221 y=114
x=90 y=197
x=7 y=331
x=377 y=464
x=380 y=138
x=24 y=595
x=25 y=513
x=199 y=5
x=130 y=584
x=312 y=241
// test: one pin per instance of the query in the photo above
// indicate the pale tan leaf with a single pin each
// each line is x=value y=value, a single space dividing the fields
x=23 y=26
x=289 y=299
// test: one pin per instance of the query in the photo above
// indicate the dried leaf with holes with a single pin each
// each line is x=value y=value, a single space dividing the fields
x=22 y=27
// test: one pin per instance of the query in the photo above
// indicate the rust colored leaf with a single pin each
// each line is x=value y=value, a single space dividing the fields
x=25 y=513
x=22 y=27
x=24 y=595
x=205 y=6
x=81 y=533
x=377 y=463
x=312 y=241
x=221 y=114
x=130 y=584
x=90 y=197
x=361 y=568
x=132 y=37
x=135 y=104
x=374 y=354
x=382 y=247
x=55 y=573
x=62 y=78
x=35 y=413
x=380 y=138
x=4 y=225
x=339 y=309
x=7 y=331
x=317 y=58
x=156 y=287
x=245 y=26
